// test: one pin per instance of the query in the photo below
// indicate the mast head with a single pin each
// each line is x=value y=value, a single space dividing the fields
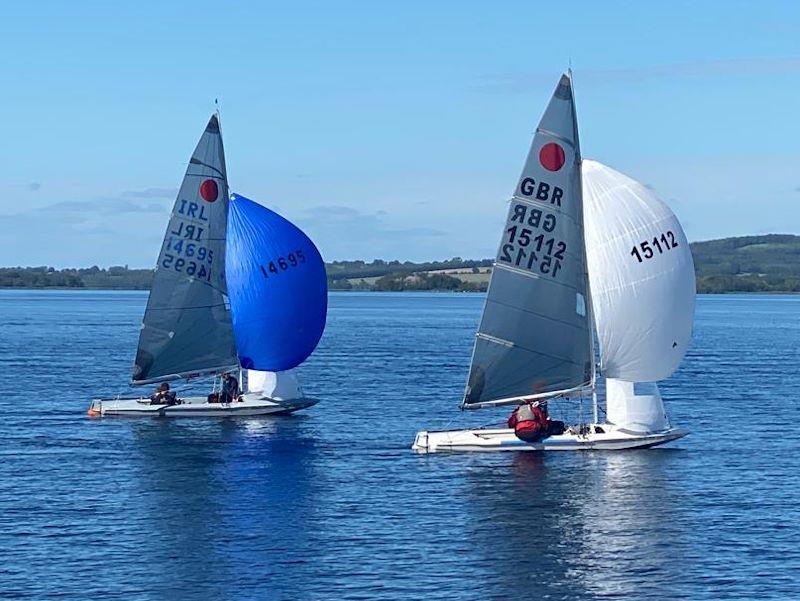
x=213 y=123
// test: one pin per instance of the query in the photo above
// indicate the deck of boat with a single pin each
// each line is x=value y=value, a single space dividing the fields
x=198 y=407
x=606 y=437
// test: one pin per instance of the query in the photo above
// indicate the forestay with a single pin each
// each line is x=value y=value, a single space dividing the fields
x=187 y=326
x=535 y=335
x=278 y=288
x=641 y=274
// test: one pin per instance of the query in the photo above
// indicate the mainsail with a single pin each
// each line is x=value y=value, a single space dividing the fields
x=187 y=326
x=641 y=274
x=535 y=336
x=278 y=288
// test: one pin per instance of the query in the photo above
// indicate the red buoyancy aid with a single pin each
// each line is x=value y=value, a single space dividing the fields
x=529 y=423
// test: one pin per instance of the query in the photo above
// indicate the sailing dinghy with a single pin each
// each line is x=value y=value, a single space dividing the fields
x=583 y=248
x=236 y=287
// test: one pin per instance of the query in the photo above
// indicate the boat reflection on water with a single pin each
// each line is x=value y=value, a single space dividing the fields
x=630 y=525
x=214 y=495
x=576 y=525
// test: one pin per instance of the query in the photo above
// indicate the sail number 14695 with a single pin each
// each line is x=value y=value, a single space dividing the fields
x=283 y=263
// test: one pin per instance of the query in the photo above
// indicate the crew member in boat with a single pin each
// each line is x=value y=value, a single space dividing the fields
x=230 y=388
x=532 y=423
x=529 y=421
x=162 y=395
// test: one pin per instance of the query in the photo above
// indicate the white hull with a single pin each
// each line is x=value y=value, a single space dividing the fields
x=503 y=439
x=198 y=407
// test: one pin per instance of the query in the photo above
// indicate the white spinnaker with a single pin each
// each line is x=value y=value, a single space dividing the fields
x=641 y=277
x=635 y=406
x=256 y=380
x=280 y=385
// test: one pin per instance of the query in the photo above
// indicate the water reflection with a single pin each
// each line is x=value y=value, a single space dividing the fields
x=217 y=493
x=634 y=502
x=575 y=525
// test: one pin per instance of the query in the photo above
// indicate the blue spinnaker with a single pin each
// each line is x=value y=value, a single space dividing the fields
x=277 y=287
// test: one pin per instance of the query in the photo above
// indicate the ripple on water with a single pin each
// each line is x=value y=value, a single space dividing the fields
x=332 y=504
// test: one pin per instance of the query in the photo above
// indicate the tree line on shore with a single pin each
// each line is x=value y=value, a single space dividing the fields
x=769 y=263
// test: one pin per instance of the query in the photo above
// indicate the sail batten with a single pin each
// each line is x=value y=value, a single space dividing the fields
x=538 y=292
x=187 y=324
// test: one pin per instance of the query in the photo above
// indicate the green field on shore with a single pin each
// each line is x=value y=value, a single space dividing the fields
x=768 y=263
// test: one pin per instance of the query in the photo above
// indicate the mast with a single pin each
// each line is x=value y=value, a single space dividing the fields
x=590 y=306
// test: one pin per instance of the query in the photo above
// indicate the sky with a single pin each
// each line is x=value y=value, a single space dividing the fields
x=393 y=130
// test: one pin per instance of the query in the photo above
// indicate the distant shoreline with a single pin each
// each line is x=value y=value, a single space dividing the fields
x=354 y=291
x=768 y=264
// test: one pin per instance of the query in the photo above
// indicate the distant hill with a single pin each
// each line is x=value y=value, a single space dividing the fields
x=115 y=278
x=769 y=263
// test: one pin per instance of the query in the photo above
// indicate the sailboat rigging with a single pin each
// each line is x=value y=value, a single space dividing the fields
x=215 y=304
x=583 y=248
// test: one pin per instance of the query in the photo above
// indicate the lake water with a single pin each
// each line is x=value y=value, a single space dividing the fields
x=332 y=504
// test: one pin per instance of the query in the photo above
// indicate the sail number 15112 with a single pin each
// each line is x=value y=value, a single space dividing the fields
x=647 y=249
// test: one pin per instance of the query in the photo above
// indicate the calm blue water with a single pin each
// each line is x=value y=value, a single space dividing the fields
x=332 y=503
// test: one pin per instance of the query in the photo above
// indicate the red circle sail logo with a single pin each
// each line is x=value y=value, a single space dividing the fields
x=209 y=190
x=551 y=156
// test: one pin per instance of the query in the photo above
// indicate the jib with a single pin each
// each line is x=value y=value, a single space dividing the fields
x=542 y=191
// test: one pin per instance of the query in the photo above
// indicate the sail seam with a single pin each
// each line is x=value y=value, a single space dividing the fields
x=181 y=308
x=647 y=226
x=511 y=386
x=547 y=132
x=609 y=290
x=194 y=161
x=555 y=357
x=177 y=276
x=529 y=312
x=534 y=276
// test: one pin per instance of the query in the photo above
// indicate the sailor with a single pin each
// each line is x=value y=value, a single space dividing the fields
x=162 y=395
x=230 y=388
x=530 y=421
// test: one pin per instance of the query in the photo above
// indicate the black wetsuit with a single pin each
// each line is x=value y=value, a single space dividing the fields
x=230 y=389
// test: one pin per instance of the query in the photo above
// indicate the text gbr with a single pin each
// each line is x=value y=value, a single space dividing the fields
x=541 y=191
